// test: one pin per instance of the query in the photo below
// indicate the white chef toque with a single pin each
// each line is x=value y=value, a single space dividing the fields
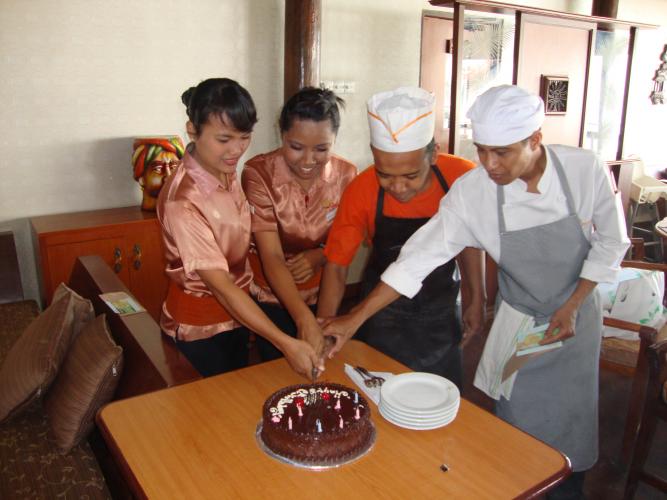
x=505 y=115
x=401 y=120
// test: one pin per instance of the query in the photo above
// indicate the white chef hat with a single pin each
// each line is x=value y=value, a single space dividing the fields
x=401 y=120
x=504 y=115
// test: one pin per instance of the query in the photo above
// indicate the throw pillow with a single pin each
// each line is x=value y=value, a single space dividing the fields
x=82 y=309
x=32 y=363
x=87 y=380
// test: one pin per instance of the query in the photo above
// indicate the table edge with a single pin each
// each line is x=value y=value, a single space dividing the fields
x=125 y=470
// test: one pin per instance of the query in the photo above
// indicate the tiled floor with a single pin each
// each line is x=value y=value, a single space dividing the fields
x=607 y=479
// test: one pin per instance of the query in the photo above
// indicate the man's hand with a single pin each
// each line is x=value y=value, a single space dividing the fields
x=564 y=319
x=561 y=326
x=341 y=329
x=473 y=321
x=304 y=265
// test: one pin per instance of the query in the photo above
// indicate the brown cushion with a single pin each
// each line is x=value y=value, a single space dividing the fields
x=82 y=309
x=87 y=380
x=33 y=361
x=32 y=466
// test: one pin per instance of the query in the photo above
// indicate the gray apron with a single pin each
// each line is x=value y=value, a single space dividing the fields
x=555 y=396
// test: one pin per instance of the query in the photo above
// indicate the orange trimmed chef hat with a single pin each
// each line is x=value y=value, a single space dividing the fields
x=401 y=120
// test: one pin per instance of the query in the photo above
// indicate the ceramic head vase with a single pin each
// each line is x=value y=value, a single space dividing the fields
x=153 y=160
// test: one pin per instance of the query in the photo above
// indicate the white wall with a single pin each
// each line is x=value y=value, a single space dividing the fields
x=646 y=125
x=375 y=44
x=81 y=78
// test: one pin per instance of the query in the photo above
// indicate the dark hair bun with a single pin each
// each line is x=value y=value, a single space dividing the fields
x=220 y=97
x=186 y=97
x=311 y=103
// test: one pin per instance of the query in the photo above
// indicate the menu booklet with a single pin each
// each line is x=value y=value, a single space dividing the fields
x=512 y=341
x=121 y=303
x=527 y=347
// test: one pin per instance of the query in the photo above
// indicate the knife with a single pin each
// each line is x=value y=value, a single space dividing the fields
x=329 y=342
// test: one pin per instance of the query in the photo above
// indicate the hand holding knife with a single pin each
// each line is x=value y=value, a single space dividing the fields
x=329 y=342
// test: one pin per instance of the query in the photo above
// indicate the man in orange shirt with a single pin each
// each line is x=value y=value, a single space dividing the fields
x=384 y=206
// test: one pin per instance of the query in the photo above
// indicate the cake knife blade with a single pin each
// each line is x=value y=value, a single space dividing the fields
x=329 y=342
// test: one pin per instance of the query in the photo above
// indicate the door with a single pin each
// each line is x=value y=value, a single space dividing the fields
x=61 y=258
x=148 y=281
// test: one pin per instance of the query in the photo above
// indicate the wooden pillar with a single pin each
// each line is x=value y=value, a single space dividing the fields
x=303 y=26
x=626 y=91
x=457 y=64
x=605 y=8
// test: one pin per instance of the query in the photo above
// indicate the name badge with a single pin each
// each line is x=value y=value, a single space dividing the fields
x=331 y=214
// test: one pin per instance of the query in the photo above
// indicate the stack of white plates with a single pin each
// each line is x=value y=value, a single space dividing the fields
x=419 y=401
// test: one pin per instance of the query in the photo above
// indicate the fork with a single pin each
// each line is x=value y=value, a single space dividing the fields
x=370 y=380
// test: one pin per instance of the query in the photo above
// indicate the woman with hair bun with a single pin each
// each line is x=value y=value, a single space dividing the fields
x=294 y=193
x=205 y=221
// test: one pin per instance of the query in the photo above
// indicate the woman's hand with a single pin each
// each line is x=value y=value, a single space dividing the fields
x=309 y=330
x=302 y=357
x=304 y=265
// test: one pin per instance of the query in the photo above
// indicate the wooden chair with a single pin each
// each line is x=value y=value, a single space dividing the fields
x=653 y=407
x=629 y=357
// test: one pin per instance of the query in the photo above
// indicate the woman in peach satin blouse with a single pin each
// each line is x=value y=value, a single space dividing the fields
x=205 y=220
x=294 y=193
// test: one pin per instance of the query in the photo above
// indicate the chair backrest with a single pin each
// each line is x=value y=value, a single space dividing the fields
x=650 y=266
x=658 y=373
x=622 y=173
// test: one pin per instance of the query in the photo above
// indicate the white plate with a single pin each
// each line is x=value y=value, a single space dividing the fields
x=410 y=418
x=416 y=426
x=425 y=423
x=419 y=414
x=419 y=393
x=418 y=418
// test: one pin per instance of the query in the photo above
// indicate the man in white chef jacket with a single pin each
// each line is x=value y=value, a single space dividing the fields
x=549 y=217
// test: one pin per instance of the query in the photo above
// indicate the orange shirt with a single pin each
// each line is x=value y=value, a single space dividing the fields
x=355 y=220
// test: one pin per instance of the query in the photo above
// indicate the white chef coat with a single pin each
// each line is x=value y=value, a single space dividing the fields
x=468 y=216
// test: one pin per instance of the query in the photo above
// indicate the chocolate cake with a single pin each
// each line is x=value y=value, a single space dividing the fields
x=316 y=423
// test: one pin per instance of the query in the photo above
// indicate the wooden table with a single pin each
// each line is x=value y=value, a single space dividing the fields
x=198 y=441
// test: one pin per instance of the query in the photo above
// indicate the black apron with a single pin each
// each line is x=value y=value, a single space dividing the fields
x=423 y=333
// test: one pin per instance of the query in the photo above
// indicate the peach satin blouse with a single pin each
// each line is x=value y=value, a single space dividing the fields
x=301 y=218
x=204 y=226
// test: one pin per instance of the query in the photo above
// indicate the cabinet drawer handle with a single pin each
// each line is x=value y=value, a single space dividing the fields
x=117 y=259
x=137 y=256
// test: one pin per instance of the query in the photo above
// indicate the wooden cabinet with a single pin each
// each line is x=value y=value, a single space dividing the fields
x=128 y=239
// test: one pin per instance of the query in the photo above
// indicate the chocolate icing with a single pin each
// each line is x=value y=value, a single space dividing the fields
x=304 y=442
